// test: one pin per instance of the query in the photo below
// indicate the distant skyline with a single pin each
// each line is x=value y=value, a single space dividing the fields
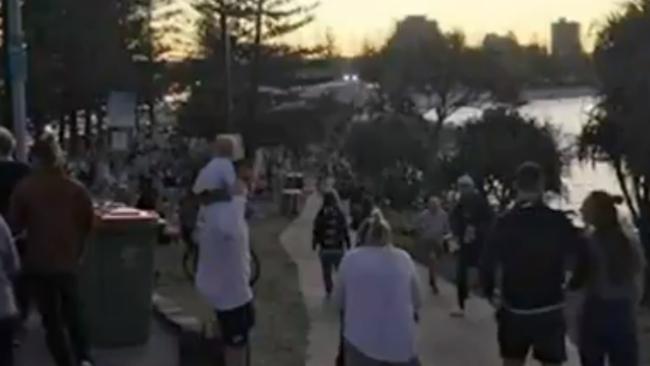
x=354 y=21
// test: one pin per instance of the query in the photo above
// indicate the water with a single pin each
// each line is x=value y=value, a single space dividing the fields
x=568 y=115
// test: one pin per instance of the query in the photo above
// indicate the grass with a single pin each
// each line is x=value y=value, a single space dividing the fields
x=280 y=337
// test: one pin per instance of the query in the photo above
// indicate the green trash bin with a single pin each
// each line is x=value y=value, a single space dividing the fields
x=117 y=278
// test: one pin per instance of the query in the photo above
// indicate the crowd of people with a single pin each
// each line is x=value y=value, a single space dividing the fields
x=528 y=259
x=522 y=256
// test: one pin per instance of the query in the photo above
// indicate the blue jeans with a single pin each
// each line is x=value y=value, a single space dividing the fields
x=608 y=333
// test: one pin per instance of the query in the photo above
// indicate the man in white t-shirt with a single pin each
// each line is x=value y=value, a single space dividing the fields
x=223 y=271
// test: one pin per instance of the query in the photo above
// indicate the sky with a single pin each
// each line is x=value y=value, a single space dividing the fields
x=354 y=21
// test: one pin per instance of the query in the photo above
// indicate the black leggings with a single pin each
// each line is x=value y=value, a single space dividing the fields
x=468 y=258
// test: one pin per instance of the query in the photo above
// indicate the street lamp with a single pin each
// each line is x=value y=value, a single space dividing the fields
x=17 y=53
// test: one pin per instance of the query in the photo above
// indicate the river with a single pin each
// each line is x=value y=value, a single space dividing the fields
x=568 y=115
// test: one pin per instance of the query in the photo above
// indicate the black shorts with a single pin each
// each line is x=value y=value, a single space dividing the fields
x=236 y=325
x=544 y=334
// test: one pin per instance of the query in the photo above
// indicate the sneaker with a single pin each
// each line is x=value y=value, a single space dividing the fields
x=87 y=363
x=458 y=313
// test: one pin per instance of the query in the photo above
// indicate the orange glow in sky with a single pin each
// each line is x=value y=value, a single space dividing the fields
x=354 y=21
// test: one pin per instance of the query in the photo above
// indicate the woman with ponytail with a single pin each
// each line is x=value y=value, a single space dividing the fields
x=379 y=296
x=608 y=329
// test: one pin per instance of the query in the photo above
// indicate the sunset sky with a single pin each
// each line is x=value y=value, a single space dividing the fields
x=353 y=21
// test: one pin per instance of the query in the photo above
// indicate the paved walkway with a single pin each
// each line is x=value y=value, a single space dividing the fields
x=443 y=340
x=162 y=350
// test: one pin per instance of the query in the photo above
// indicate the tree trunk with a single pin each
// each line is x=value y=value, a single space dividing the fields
x=99 y=140
x=620 y=176
x=644 y=232
x=256 y=64
x=88 y=128
x=8 y=104
x=223 y=20
x=62 y=129
x=73 y=144
x=151 y=113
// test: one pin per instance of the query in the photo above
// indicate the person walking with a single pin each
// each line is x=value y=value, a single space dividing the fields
x=532 y=245
x=607 y=325
x=9 y=267
x=361 y=206
x=330 y=237
x=11 y=173
x=57 y=214
x=432 y=229
x=379 y=273
x=223 y=272
x=471 y=220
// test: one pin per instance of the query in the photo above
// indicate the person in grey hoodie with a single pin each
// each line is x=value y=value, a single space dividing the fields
x=9 y=267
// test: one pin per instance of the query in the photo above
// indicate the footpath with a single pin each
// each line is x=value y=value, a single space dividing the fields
x=443 y=340
x=162 y=350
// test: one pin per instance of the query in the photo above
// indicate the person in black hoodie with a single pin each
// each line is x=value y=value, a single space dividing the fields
x=330 y=237
x=471 y=220
x=534 y=246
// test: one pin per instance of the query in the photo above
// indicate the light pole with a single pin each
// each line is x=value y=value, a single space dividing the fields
x=227 y=61
x=17 y=74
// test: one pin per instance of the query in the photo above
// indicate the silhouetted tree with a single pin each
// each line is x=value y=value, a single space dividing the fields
x=619 y=128
x=492 y=147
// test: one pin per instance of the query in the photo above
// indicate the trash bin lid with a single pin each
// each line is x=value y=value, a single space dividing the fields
x=126 y=216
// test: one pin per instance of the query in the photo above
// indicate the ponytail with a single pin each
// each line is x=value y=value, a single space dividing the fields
x=379 y=230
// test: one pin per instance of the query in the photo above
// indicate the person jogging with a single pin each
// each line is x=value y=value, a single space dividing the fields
x=330 y=237
x=607 y=325
x=532 y=245
x=432 y=229
x=471 y=220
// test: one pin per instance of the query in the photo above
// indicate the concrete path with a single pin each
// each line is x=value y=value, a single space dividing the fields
x=443 y=341
x=162 y=350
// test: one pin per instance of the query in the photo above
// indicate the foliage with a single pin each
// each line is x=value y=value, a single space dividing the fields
x=420 y=68
x=391 y=152
x=70 y=69
x=491 y=148
x=618 y=131
x=619 y=128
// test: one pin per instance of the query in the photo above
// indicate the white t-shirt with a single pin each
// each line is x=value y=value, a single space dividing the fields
x=218 y=174
x=433 y=226
x=224 y=250
x=379 y=294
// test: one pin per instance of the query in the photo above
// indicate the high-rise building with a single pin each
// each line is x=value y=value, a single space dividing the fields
x=414 y=29
x=565 y=39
